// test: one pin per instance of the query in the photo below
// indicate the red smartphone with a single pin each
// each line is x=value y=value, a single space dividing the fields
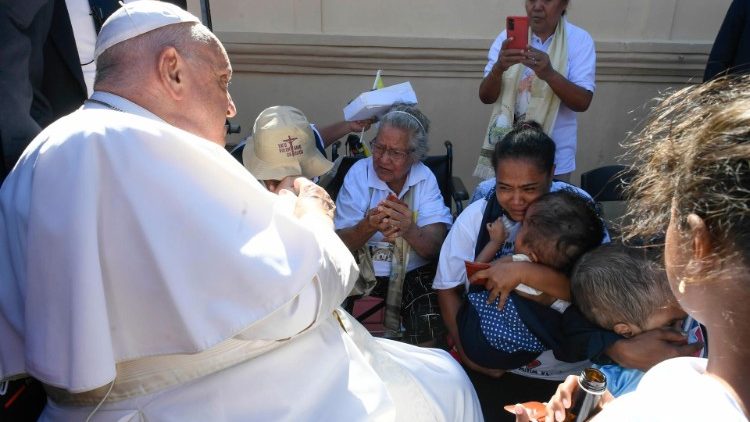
x=472 y=267
x=518 y=28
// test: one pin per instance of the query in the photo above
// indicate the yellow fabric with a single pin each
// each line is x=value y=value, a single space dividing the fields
x=543 y=105
x=399 y=263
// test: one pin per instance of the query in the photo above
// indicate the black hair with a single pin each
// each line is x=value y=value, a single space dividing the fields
x=567 y=219
x=527 y=141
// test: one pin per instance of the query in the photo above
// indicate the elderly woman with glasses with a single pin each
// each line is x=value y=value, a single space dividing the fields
x=391 y=215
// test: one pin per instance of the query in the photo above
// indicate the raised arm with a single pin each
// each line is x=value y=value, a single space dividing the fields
x=500 y=60
x=575 y=88
x=335 y=131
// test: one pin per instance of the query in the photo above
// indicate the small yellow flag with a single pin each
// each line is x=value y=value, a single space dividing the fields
x=378 y=83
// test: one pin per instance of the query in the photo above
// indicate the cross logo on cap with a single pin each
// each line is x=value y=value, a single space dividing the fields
x=287 y=146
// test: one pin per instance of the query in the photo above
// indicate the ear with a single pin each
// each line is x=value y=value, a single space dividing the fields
x=171 y=71
x=625 y=329
x=700 y=239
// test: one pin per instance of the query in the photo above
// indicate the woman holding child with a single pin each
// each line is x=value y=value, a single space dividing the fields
x=524 y=165
x=693 y=159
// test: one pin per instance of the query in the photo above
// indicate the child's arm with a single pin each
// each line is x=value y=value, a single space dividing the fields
x=498 y=235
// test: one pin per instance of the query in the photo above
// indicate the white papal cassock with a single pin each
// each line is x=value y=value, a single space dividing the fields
x=142 y=267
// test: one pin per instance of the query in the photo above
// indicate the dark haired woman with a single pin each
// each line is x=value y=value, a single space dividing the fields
x=524 y=165
x=693 y=158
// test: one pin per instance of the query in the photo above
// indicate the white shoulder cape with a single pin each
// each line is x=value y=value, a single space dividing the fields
x=122 y=237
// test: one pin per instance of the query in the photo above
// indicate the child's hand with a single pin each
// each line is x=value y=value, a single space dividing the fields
x=496 y=230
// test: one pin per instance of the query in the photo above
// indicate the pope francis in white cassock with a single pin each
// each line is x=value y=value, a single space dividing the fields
x=146 y=275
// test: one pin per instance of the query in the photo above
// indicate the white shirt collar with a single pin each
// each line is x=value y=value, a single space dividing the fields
x=119 y=103
x=416 y=174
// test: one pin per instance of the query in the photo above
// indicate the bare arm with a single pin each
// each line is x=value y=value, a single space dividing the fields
x=651 y=347
x=450 y=302
x=356 y=236
x=573 y=96
x=338 y=130
x=427 y=240
x=496 y=230
x=503 y=277
x=487 y=254
x=489 y=89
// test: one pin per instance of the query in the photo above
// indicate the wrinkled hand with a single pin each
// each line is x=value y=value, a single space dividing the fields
x=651 y=347
x=374 y=220
x=538 y=61
x=502 y=278
x=496 y=230
x=360 y=125
x=311 y=198
x=398 y=217
x=507 y=57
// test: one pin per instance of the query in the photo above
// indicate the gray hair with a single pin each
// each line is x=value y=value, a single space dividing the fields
x=118 y=64
x=614 y=283
x=408 y=118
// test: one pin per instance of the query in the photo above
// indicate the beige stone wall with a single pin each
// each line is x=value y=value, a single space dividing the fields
x=318 y=54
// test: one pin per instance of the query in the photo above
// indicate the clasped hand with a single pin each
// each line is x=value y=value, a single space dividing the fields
x=392 y=217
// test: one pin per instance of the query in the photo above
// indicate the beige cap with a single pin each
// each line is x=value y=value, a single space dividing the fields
x=137 y=18
x=283 y=144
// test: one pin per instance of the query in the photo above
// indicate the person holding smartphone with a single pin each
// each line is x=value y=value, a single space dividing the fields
x=549 y=80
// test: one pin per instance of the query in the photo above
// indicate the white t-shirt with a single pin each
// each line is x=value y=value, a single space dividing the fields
x=676 y=390
x=581 y=71
x=363 y=190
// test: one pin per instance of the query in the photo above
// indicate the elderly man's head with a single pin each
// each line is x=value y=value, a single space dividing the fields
x=178 y=70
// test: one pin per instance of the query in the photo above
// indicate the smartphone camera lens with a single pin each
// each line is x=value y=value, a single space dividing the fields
x=511 y=25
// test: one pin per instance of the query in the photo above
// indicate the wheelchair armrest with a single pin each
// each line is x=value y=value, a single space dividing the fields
x=459 y=193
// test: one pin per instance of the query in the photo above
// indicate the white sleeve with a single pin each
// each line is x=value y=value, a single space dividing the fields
x=353 y=200
x=328 y=288
x=430 y=205
x=582 y=60
x=493 y=53
x=459 y=247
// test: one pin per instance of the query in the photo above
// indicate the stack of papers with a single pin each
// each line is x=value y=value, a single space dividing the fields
x=376 y=103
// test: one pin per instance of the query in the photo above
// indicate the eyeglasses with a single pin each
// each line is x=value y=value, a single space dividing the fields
x=396 y=154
